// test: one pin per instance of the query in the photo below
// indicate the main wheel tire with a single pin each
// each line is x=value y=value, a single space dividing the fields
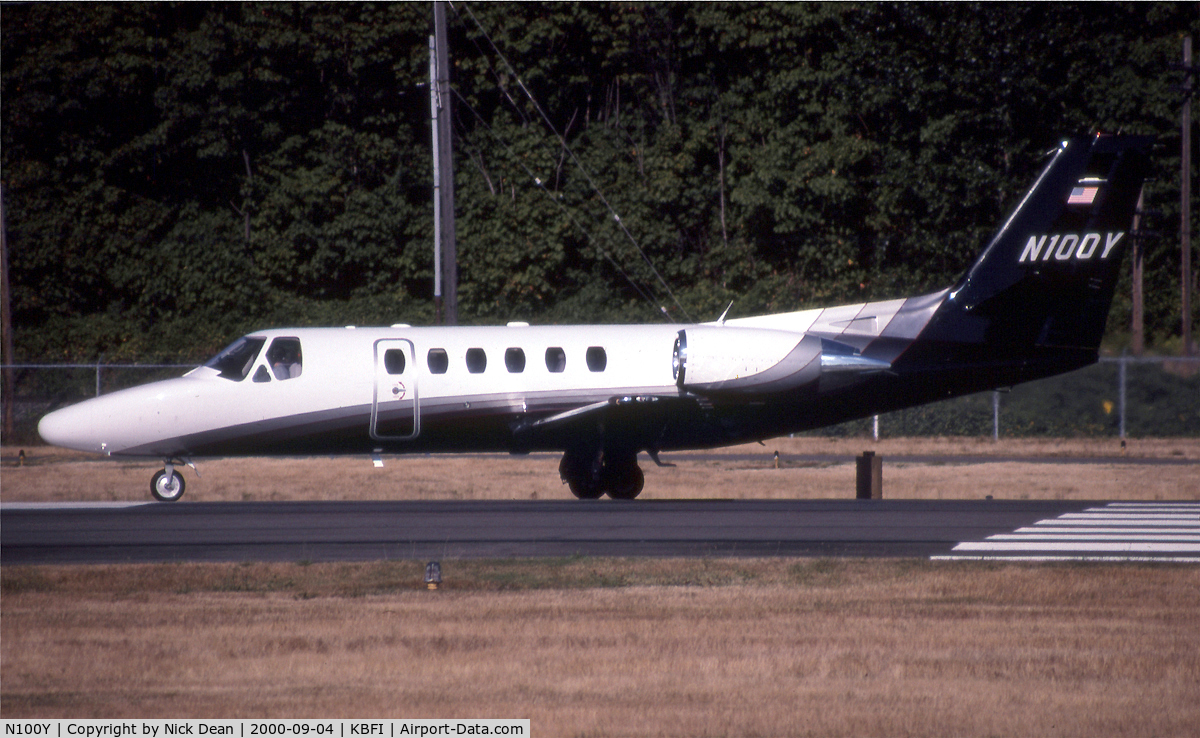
x=585 y=490
x=627 y=483
x=167 y=489
x=580 y=469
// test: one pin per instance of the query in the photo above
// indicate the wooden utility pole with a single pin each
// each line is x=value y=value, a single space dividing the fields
x=1138 y=338
x=6 y=396
x=437 y=182
x=1185 y=195
x=443 y=158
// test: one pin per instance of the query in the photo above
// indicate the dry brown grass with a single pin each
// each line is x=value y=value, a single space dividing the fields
x=56 y=475
x=590 y=647
x=586 y=647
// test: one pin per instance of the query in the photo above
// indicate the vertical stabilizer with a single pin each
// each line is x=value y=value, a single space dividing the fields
x=1046 y=280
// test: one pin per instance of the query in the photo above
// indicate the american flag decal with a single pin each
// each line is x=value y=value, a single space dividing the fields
x=1082 y=195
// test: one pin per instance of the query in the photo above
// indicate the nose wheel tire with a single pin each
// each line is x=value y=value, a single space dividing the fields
x=167 y=487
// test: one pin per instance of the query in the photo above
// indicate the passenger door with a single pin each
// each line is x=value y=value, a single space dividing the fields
x=395 y=407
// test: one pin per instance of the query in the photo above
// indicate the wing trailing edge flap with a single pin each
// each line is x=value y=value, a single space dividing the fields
x=584 y=411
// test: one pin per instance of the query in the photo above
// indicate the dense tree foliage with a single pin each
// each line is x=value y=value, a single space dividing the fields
x=176 y=174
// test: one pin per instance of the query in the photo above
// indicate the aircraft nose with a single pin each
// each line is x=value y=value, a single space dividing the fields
x=139 y=421
x=71 y=427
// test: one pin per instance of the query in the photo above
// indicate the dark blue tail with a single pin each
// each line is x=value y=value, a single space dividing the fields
x=1041 y=291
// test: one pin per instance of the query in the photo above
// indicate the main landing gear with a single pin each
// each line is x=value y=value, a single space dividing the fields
x=168 y=485
x=590 y=475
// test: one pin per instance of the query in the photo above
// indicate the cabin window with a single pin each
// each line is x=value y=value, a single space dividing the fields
x=476 y=360
x=438 y=360
x=235 y=360
x=393 y=361
x=514 y=359
x=284 y=358
x=556 y=359
x=596 y=358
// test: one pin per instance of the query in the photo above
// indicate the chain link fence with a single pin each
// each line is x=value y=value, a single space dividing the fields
x=1118 y=397
x=39 y=388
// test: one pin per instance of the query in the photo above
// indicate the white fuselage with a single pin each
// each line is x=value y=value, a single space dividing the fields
x=355 y=390
x=343 y=372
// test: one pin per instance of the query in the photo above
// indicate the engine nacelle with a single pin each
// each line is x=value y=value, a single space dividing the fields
x=755 y=360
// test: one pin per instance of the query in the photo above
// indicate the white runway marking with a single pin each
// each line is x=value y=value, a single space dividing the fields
x=1150 y=505
x=1110 y=536
x=69 y=505
x=1078 y=546
x=1118 y=531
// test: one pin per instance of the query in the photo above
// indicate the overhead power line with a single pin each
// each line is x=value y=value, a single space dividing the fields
x=587 y=175
x=557 y=202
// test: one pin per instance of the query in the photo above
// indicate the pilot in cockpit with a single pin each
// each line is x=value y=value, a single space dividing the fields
x=284 y=358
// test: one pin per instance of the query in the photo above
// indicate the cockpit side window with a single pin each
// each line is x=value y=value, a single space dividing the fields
x=285 y=358
x=235 y=361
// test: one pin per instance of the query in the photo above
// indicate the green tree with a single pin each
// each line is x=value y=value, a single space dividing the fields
x=176 y=174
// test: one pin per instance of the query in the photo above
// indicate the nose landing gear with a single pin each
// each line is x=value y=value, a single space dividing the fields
x=168 y=485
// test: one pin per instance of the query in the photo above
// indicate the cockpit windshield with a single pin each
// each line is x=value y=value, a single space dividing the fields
x=237 y=358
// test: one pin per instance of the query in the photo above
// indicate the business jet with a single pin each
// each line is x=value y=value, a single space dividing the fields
x=1033 y=304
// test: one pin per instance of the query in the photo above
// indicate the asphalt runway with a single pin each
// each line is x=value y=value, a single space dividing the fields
x=360 y=531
